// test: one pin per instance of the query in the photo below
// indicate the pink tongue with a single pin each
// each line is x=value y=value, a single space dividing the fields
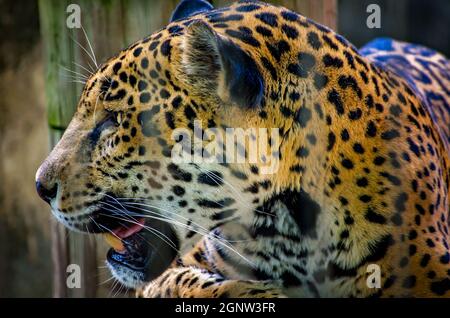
x=130 y=229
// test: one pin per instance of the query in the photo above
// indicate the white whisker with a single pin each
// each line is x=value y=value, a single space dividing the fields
x=74 y=73
x=132 y=204
x=90 y=47
x=207 y=234
x=86 y=51
x=106 y=281
x=84 y=68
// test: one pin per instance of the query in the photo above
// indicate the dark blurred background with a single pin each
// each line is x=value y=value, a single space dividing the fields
x=425 y=22
x=25 y=258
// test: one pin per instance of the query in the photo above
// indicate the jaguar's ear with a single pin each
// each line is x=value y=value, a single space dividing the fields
x=213 y=64
x=186 y=8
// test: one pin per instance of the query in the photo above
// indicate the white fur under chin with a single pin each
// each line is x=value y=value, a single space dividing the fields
x=126 y=277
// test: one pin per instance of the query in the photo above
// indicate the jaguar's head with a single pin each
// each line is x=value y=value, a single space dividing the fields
x=127 y=166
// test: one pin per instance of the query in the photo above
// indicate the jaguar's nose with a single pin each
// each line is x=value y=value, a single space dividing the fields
x=46 y=194
x=46 y=185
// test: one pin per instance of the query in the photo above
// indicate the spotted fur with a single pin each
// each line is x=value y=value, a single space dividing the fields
x=364 y=157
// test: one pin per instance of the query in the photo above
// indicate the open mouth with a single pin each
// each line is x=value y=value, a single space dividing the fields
x=140 y=247
x=128 y=247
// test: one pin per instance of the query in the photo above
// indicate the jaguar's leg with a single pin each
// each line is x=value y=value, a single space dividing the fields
x=193 y=276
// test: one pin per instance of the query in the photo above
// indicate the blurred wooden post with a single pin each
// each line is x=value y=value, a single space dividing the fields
x=61 y=99
x=322 y=11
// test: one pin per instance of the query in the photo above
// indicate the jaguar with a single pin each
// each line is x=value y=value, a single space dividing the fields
x=358 y=205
